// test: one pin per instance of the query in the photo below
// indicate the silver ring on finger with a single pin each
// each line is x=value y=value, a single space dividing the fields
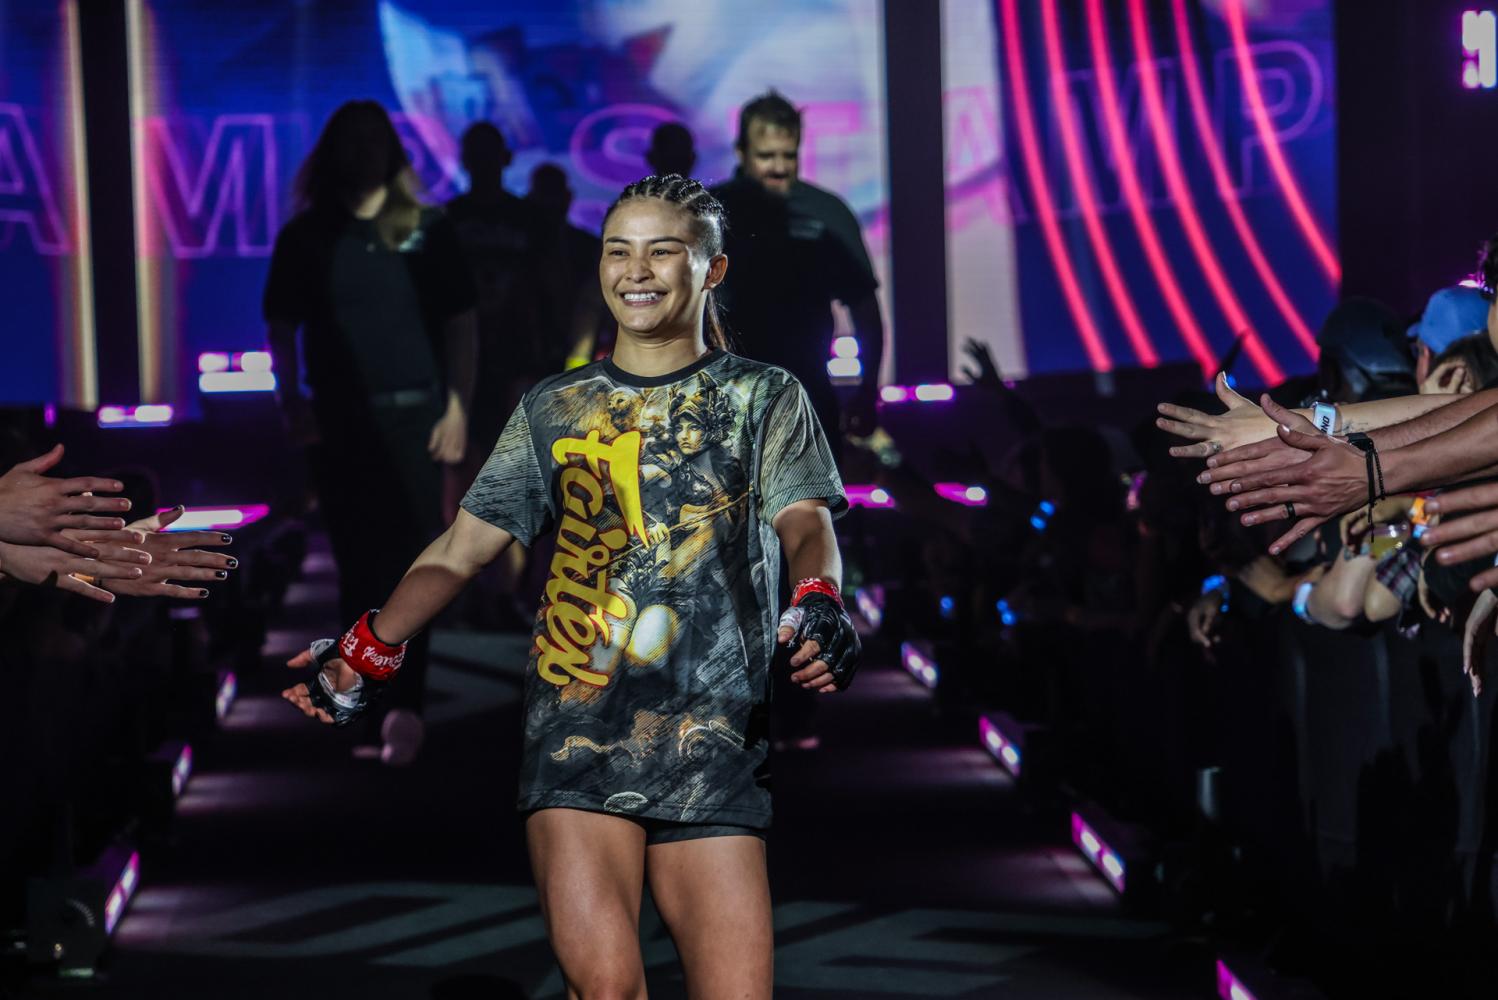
x=1215 y=447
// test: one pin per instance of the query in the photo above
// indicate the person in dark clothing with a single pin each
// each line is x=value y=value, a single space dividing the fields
x=507 y=246
x=581 y=317
x=376 y=284
x=796 y=249
x=672 y=150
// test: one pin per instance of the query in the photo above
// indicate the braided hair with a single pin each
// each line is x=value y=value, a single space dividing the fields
x=710 y=222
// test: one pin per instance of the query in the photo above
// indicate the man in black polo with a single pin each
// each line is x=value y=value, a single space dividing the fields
x=795 y=249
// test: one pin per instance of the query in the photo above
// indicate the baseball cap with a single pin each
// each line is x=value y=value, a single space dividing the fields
x=1451 y=314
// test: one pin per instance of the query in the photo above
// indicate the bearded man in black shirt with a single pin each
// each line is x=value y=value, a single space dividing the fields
x=796 y=249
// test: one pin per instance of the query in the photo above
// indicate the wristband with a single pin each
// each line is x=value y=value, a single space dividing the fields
x=813 y=585
x=1302 y=599
x=366 y=654
x=1326 y=418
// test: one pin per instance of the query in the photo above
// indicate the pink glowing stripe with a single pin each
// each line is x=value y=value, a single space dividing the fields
x=860 y=495
x=1204 y=128
x=217 y=518
x=1229 y=986
x=1097 y=851
x=119 y=895
x=1092 y=222
x=968 y=496
x=1175 y=179
x=1154 y=253
x=1322 y=250
x=1076 y=302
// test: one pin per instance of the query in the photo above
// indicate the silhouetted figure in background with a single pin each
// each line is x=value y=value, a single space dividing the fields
x=581 y=318
x=376 y=284
x=672 y=150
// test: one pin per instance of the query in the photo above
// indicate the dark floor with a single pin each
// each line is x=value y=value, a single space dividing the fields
x=901 y=862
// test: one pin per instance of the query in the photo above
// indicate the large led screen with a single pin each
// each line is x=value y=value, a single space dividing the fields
x=233 y=96
x=1138 y=183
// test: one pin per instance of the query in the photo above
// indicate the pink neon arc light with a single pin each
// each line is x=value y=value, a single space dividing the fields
x=1076 y=302
x=1149 y=238
x=1076 y=166
x=217 y=518
x=1204 y=129
x=1320 y=247
x=1175 y=179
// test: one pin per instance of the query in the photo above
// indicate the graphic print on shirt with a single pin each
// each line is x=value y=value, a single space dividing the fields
x=659 y=459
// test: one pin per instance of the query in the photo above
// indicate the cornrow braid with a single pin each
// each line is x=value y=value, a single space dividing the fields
x=711 y=223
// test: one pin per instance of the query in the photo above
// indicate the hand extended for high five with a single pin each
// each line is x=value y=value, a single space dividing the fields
x=38 y=510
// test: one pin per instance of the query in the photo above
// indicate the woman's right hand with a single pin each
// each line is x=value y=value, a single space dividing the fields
x=341 y=677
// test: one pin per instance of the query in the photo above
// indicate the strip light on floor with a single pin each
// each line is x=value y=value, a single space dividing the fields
x=860 y=495
x=995 y=742
x=934 y=392
x=121 y=894
x=181 y=770
x=145 y=415
x=246 y=371
x=919 y=664
x=1228 y=985
x=968 y=496
x=228 y=687
x=1095 y=850
x=870 y=601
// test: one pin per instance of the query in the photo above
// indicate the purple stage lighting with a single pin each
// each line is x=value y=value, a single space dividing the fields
x=1228 y=985
x=120 y=895
x=968 y=496
x=145 y=415
x=870 y=601
x=920 y=664
x=935 y=392
x=865 y=495
x=228 y=687
x=1095 y=850
x=1004 y=748
x=181 y=770
x=244 y=371
x=217 y=518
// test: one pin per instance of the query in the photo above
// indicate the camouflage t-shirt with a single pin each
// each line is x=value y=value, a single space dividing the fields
x=648 y=687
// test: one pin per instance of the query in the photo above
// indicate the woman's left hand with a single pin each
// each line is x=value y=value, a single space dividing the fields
x=168 y=556
x=1242 y=423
